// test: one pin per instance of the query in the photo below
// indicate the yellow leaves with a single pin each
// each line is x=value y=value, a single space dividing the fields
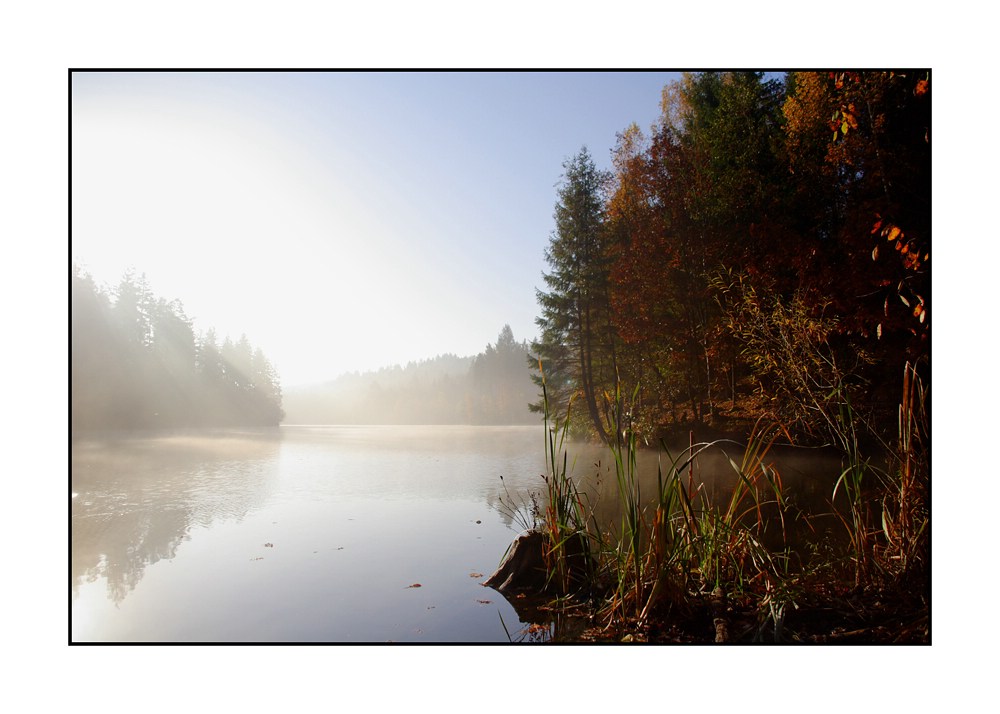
x=875 y=253
x=843 y=120
x=923 y=86
x=893 y=233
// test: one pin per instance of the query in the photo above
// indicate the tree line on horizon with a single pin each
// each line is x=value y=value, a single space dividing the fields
x=493 y=387
x=763 y=251
x=137 y=363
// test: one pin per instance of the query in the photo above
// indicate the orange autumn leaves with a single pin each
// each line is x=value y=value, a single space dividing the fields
x=909 y=251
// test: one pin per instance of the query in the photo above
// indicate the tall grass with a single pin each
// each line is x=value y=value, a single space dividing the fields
x=678 y=547
x=887 y=519
x=905 y=515
x=666 y=543
x=567 y=547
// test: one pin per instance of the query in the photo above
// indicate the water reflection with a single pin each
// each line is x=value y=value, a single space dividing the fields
x=137 y=497
x=355 y=516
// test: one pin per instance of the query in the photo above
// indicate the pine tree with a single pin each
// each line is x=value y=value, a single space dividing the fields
x=576 y=347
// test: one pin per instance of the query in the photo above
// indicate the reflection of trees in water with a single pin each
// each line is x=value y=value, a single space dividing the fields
x=138 y=498
x=122 y=549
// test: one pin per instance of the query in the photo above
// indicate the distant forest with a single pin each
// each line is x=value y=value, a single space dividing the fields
x=763 y=252
x=137 y=363
x=494 y=387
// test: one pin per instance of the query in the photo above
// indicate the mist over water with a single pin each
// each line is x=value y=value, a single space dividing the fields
x=301 y=534
x=304 y=534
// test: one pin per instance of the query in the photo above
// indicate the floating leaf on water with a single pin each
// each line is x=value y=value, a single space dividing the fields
x=415 y=585
x=475 y=575
x=484 y=602
x=894 y=233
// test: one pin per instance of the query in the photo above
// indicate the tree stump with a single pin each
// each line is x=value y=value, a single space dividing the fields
x=523 y=568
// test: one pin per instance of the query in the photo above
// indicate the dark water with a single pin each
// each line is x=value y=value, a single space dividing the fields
x=318 y=534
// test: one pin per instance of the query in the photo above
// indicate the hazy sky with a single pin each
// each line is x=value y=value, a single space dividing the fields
x=343 y=221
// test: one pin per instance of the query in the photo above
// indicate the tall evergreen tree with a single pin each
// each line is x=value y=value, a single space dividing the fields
x=576 y=346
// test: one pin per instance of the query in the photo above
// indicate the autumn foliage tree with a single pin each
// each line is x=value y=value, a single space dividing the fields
x=754 y=210
x=859 y=149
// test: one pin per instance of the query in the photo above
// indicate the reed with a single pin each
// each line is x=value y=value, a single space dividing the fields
x=678 y=549
x=905 y=519
x=887 y=518
x=681 y=541
x=564 y=518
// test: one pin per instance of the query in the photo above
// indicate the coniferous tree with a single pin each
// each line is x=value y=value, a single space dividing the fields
x=135 y=363
x=576 y=345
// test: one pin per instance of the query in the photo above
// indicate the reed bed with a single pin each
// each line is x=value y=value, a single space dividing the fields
x=678 y=560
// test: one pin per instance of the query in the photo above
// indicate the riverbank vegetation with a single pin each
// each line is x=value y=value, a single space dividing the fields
x=685 y=565
x=136 y=363
x=757 y=265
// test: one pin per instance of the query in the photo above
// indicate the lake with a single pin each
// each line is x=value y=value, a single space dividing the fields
x=311 y=534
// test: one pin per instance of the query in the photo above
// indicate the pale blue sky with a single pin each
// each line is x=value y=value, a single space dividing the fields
x=343 y=221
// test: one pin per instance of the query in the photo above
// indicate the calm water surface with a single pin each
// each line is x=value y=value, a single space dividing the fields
x=296 y=534
x=308 y=534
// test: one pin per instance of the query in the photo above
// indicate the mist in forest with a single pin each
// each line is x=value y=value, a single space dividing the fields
x=493 y=387
x=137 y=362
